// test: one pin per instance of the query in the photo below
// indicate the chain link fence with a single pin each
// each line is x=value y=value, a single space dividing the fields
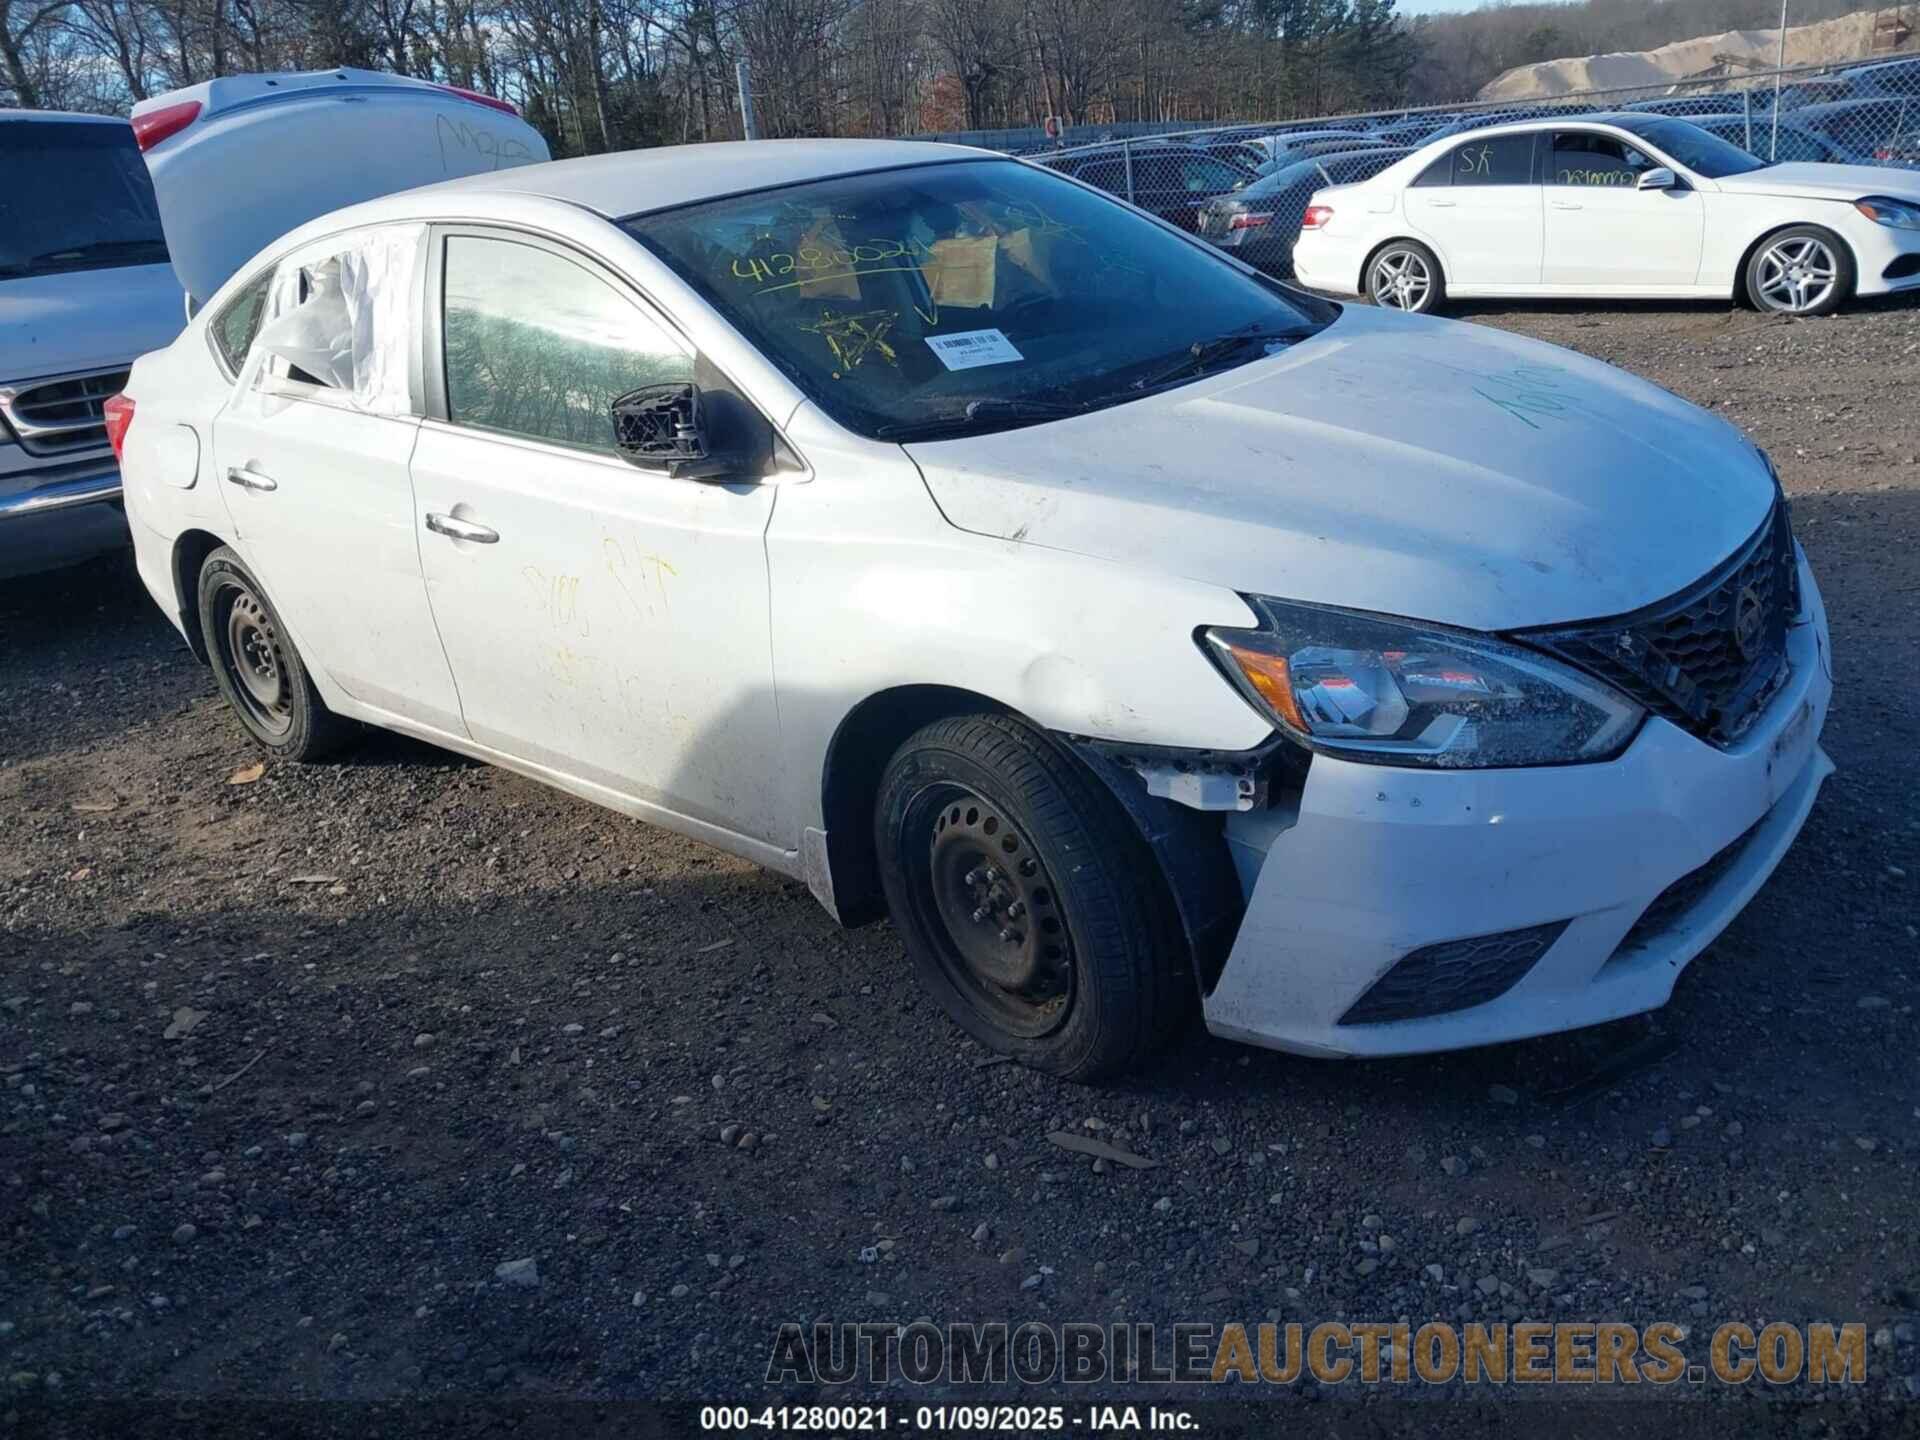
x=1246 y=186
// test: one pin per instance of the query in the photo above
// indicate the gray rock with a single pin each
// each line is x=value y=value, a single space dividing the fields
x=1465 y=1225
x=1163 y=1204
x=524 y=1273
x=1454 y=1165
x=185 y=1233
x=945 y=1202
x=1545 y=1279
x=1503 y=1095
x=1662 y=1138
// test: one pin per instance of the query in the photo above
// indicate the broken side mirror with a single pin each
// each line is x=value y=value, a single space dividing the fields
x=665 y=427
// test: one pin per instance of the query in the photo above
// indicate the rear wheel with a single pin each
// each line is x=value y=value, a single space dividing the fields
x=1404 y=275
x=1031 y=908
x=256 y=667
x=1805 y=270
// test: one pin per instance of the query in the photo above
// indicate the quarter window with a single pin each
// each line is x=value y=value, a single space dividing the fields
x=1584 y=158
x=1502 y=160
x=233 y=328
x=539 y=346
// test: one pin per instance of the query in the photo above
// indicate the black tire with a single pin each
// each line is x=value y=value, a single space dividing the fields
x=1785 y=268
x=257 y=668
x=988 y=812
x=1392 y=278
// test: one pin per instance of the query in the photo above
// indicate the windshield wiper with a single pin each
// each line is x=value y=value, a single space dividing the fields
x=987 y=408
x=1203 y=353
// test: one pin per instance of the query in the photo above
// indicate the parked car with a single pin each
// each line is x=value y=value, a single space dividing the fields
x=1260 y=223
x=1871 y=131
x=1895 y=79
x=1327 y=145
x=84 y=287
x=1166 y=180
x=1068 y=642
x=1415 y=130
x=1613 y=205
x=1294 y=144
x=1818 y=90
x=1716 y=102
x=1786 y=141
x=85 y=278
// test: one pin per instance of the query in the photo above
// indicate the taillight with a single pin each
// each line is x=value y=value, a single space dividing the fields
x=118 y=412
x=1250 y=220
x=1316 y=217
x=492 y=101
x=156 y=125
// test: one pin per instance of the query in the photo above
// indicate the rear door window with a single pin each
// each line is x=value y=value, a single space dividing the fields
x=1498 y=160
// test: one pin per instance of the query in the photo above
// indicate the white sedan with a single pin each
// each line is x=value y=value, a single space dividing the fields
x=928 y=526
x=1627 y=205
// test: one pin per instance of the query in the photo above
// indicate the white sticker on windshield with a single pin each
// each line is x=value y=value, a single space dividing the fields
x=971 y=348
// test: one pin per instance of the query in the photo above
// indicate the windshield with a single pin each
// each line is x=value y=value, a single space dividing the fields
x=77 y=197
x=1703 y=153
x=905 y=297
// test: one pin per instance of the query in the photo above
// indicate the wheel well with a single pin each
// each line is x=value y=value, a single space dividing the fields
x=850 y=784
x=1742 y=295
x=190 y=552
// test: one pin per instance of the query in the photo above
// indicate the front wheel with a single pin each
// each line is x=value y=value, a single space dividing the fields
x=1805 y=270
x=1031 y=908
x=1406 y=276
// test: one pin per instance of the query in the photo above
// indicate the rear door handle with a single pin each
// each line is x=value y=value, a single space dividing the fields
x=1565 y=204
x=454 y=528
x=1441 y=204
x=248 y=478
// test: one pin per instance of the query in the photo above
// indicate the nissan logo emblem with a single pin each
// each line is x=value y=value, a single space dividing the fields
x=1749 y=622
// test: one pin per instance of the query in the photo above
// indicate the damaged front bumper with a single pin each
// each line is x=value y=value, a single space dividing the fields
x=1521 y=902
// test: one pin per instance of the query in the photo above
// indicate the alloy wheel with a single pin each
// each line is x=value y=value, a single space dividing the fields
x=1797 y=274
x=1401 y=280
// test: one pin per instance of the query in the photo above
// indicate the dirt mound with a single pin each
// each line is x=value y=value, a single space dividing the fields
x=1847 y=38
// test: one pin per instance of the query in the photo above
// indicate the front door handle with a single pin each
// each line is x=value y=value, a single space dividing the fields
x=248 y=478
x=1441 y=204
x=454 y=528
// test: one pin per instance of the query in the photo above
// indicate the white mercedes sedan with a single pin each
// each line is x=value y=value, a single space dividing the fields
x=1140 y=635
x=1630 y=206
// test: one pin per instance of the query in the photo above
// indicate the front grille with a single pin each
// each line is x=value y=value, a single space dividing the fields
x=1682 y=895
x=1454 y=975
x=61 y=416
x=1709 y=658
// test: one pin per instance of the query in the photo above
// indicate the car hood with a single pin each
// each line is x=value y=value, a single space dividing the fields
x=1824 y=182
x=1428 y=468
x=86 y=319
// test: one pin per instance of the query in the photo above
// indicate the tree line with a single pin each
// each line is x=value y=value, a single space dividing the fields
x=597 y=75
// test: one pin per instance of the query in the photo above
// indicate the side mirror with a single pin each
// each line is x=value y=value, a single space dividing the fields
x=663 y=427
x=1659 y=178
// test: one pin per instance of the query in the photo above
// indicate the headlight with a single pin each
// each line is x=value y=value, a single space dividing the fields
x=1397 y=692
x=1900 y=214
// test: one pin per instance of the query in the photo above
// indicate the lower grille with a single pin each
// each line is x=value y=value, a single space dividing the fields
x=1455 y=975
x=63 y=415
x=1673 y=903
x=1710 y=658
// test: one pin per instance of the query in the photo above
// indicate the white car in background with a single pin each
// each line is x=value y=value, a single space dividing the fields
x=934 y=528
x=1630 y=205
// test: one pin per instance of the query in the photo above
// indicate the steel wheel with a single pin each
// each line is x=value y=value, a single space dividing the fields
x=252 y=652
x=1402 y=279
x=1797 y=274
x=993 y=912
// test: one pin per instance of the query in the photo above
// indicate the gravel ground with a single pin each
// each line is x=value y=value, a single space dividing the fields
x=293 y=1064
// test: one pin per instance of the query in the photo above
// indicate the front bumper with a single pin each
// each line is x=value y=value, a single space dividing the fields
x=66 y=516
x=1379 y=862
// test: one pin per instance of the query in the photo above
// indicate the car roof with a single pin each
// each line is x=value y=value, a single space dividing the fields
x=66 y=116
x=633 y=182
